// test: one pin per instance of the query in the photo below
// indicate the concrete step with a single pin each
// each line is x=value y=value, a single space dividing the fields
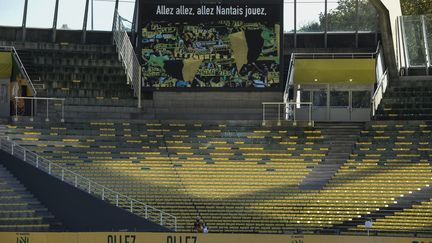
x=342 y=139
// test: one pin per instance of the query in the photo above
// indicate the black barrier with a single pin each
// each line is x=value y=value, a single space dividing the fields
x=77 y=210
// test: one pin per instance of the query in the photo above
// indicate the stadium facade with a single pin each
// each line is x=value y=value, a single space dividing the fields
x=283 y=121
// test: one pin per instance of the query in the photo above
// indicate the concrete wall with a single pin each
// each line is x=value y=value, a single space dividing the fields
x=394 y=8
x=212 y=105
x=389 y=10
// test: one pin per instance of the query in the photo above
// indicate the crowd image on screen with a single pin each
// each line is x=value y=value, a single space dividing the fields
x=167 y=44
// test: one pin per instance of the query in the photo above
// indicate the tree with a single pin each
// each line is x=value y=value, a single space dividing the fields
x=343 y=17
x=347 y=16
x=416 y=7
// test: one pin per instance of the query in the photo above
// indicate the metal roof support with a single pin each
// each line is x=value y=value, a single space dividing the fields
x=114 y=19
x=134 y=24
x=24 y=22
x=325 y=23
x=54 y=28
x=84 y=29
x=92 y=15
x=295 y=23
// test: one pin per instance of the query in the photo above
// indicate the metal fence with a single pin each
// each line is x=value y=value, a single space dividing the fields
x=382 y=78
x=34 y=104
x=85 y=184
x=334 y=55
x=285 y=111
x=379 y=92
x=127 y=55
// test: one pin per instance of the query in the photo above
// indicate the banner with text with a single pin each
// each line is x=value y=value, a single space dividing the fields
x=211 y=45
x=135 y=237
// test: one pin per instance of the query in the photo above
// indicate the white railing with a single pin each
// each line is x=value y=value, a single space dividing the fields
x=379 y=92
x=290 y=78
x=134 y=206
x=334 y=55
x=127 y=55
x=33 y=107
x=21 y=67
x=402 y=56
x=382 y=78
x=286 y=111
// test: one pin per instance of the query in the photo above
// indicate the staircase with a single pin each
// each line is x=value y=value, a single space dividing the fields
x=19 y=210
x=342 y=138
x=407 y=99
x=27 y=59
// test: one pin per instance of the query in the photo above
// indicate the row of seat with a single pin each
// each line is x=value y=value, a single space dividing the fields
x=414 y=219
x=79 y=71
x=239 y=176
x=407 y=100
x=188 y=166
x=19 y=211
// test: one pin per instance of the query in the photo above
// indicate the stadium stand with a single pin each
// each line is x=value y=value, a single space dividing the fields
x=397 y=152
x=89 y=75
x=414 y=219
x=86 y=74
x=236 y=176
x=173 y=166
x=407 y=100
x=19 y=210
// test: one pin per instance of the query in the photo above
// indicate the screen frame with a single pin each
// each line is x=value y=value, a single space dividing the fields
x=141 y=6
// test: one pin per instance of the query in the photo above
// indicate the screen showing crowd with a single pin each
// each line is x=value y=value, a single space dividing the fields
x=211 y=46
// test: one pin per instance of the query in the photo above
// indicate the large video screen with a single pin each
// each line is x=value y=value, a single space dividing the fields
x=211 y=45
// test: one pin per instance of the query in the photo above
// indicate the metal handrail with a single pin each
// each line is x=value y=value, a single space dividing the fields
x=335 y=55
x=127 y=55
x=287 y=108
x=289 y=76
x=379 y=92
x=78 y=181
x=21 y=67
x=382 y=80
x=34 y=104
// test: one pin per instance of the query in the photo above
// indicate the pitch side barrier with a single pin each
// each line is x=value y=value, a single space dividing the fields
x=131 y=237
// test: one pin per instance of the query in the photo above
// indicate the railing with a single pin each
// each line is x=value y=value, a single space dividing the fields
x=286 y=111
x=127 y=56
x=290 y=78
x=134 y=206
x=382 y=78
x=21 y=67
x=379 y=92
x=334 y=55
x=414 y=48
x=33 y=106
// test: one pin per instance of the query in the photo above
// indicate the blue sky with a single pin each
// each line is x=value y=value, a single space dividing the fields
x=71 y=12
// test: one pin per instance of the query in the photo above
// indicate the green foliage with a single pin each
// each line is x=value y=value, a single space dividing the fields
x=416 y=7
x=311 y=27
x=344 y=18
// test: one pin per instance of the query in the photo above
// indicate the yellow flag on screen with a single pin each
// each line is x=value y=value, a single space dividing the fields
x=190 y=68
x=240 y=48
